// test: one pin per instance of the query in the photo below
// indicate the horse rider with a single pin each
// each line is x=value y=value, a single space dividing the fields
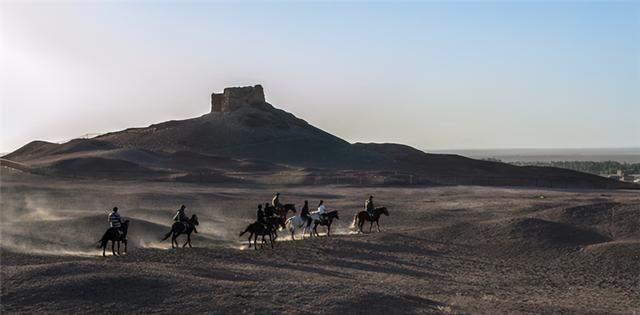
x=304 y=213
x=322 y=211
x=368 y=206
x=275 y=202
x=269 y=211
x=260 y=215
x=182 y=217
x=115 y=221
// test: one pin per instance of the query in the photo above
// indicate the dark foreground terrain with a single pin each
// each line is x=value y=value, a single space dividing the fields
x=446 y=250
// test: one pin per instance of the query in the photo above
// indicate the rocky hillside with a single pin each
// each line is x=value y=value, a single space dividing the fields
x=243 y=133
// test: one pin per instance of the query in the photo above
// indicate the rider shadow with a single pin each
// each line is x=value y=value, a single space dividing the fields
x=303 y=268
x=381 y=303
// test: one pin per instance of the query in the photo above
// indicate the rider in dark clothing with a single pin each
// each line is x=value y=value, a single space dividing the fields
x=268 y=210
x=261 y=215
x=368 y=205
x=304 y=213
x=181 y=216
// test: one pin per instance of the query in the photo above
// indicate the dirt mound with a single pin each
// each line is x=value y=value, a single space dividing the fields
x=625 y=222
x=82 y=145
x=97 y=166
x=588 y=215
x=526 y=232
x=620 y=257
x=542 y=232
x=31 y=150
x=39 y=149
x=15 y=166
x=618 y=221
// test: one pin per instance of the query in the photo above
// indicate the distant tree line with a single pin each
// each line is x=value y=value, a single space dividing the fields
x=598 y=168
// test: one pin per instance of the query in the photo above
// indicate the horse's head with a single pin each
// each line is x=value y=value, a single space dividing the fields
x=194 y=220
x=334 y=214
x=125 y=225
x=384 y=211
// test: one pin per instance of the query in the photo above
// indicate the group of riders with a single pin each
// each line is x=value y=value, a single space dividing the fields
x=269 y=210
x=116 y=222
x=266 y=216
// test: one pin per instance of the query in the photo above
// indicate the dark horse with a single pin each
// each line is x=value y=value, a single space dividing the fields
x=114 y=235
x=182 y=228
x=258 y=229
x=330 y=216
x=362 y=216
x=274 y=223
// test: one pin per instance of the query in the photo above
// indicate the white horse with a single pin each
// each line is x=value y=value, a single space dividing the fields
x=295 y=223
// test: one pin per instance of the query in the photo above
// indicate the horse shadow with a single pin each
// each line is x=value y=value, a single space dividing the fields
x=382 y=303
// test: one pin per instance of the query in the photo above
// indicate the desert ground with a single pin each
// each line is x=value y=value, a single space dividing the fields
x=442 y=250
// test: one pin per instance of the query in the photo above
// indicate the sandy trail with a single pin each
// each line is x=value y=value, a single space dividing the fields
x=448 y=250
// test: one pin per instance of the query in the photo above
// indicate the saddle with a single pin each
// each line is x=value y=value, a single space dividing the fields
x=118 y=231
x=185 y=226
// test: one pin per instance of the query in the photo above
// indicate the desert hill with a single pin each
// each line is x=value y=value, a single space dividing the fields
x=243 y=134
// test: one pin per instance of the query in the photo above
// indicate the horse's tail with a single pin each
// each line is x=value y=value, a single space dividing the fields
x=103 y=240
x=355 y=222
x=166 y=236
x=286 y=223
x=246 y=230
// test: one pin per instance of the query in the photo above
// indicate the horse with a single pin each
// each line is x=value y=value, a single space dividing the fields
x=362 y=216
x=273 y=223
x=114 y=235
x=283 y=210
x=297 y=222
x=258 y=229
x=327 y=222
x=182 y=228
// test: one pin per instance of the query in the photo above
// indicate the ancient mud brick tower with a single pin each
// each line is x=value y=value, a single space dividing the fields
x=235 y=97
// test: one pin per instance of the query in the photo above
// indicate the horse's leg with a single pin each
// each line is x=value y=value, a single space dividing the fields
x=187 y=241
x=250 y=236
x=189 y=238
x=272 y=241
x=378 y=225
x=329 y=229
x=370 y=226
x=174 y=240
x=104 y=248
x=255 y=241
x=113 y=250
x=118 y=248
x=125 y=245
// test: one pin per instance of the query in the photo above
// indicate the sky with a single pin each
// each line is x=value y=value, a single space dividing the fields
x=434 y=75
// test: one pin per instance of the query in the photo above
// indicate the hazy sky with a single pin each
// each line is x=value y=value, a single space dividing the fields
x=432 y=75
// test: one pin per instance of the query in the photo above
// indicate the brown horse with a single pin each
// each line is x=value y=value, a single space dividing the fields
x=115 y=235
x=182 y=228
x=363 y=216
x=284 y=210
x=327 y=222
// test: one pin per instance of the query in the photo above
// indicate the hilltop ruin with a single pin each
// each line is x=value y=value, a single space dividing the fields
x=235 y=97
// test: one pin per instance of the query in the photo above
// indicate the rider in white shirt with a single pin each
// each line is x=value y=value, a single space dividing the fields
x=322 y=210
